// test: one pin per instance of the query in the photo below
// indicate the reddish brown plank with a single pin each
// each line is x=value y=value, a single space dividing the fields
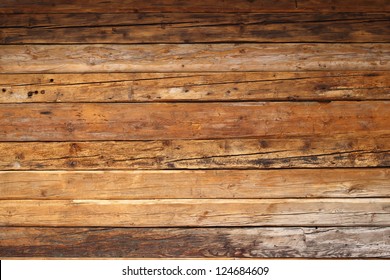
x=115 y=6
x=194 y=28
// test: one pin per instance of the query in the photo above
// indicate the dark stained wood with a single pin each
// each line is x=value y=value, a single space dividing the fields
x=193 y=57
x=297 y=183
x=310 y=152
x=197 y=212
x=170 y=87
x=264 y=242
x=115 y=6
x=194 y=28
x=116 y=121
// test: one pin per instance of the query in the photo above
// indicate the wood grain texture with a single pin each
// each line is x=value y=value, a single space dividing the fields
x=194 y=28
x=297 y=183
x=197 y=212
x=193 y=57
x=310 y=152
x=264 y=242
x=116 y=121
x=118 y=6
x=174 y=87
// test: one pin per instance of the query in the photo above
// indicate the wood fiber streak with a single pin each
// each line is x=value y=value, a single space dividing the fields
x=265 y=242
x=72 y=122
x=193 y=57
x=311 y=152
x=197 y=212
x=171 y=87
x=296 y=183
x=194 y=28
x=206 y=6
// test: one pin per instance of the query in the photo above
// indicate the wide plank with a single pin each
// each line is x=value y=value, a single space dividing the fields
x=193 y=57
x=194 y=28
x=309 y=152
x=285 y=183
x=212 y=86
x=163 y=121
x=197 y=212
x=206 y=6
x=255 y=242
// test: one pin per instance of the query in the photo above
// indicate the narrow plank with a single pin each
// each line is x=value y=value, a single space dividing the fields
x=205 y=6
x=197 y=212
x=193 y=57
x=155 y=121
x=311 y=152
x=264 y=242
x=66 y=242
x=297 y=183
x=167 y=87
x=194 y=28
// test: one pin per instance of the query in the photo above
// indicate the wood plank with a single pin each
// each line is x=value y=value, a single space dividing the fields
x=197 y=212
x=264 y=242
x=167 y=87
x=118 y=6
x=193 y=57
x=311 y=152
x=194 y=28
x=159 y=121
x=297 y=183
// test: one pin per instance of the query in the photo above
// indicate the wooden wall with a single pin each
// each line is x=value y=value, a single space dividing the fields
x=195 y=129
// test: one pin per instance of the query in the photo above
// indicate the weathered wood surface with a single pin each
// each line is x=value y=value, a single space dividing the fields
x=154 y=121
x=171 y=87
x=118 y=6
x=288 y=183
x=193 y=57
x=264 y=242
x=311 y=152
x=194 y=28
x=197 y=212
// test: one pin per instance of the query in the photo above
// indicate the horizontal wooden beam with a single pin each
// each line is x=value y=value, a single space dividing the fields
x=119 y=6
x=309 y=152
x=264 y=242
x=287 y=183
x=118 y=121
x=193 y=28
x=170 y=87
x=193 y=57
x=197 y=212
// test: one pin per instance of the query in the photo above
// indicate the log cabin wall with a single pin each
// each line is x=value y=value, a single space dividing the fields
x=195 y=129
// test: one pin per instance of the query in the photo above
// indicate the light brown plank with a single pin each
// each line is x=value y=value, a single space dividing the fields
x=196 y=212
x=297 y=183
x=116 y=121
x=265 y=242
x=194 y=28
x=167 y=87
x=312 y=152
x=116 y=6
x=193 y=57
